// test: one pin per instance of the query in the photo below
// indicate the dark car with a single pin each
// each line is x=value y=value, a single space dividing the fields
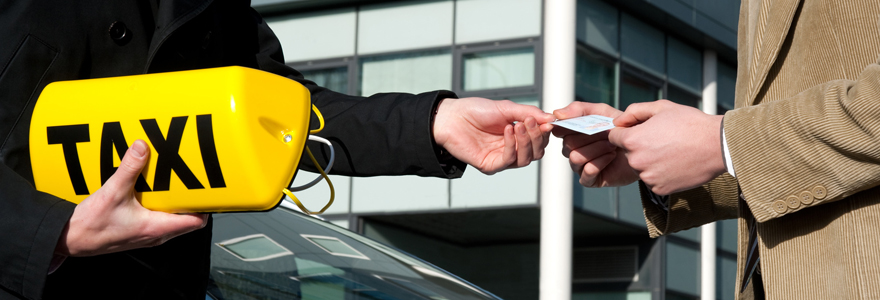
x=284 y=254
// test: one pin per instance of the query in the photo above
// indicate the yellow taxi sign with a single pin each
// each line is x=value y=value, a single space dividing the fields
x=222 y=139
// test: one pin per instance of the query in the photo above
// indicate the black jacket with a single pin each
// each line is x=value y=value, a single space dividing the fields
x=42 y=41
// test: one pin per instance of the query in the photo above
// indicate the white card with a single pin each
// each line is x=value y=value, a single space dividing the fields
x=591 y=124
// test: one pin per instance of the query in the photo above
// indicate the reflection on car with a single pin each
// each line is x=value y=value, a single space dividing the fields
x=284 y=254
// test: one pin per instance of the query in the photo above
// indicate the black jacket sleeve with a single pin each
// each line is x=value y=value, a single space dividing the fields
x=30 y=221
x=30 y=231
x=383 y=134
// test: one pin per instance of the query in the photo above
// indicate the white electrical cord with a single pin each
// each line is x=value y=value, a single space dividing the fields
x=329 y=163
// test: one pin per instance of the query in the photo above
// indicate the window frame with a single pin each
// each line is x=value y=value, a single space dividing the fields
x=460 y=51
x=331 y=63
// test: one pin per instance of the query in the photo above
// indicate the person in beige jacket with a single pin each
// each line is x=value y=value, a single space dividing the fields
x=797 y=162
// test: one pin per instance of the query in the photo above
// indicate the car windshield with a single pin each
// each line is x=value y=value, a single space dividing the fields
x=283 y=254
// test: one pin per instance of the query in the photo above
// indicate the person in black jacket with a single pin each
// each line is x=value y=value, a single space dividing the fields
x=111 y=247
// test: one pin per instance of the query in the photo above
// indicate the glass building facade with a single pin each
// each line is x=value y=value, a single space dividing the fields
x=486 y=228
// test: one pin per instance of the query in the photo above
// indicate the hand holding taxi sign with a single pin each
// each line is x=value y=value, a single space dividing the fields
x=112 y=220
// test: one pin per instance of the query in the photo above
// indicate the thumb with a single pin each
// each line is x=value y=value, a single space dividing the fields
x=636 y=114
x=173 y=225
x=617 y=135
x=131 y=166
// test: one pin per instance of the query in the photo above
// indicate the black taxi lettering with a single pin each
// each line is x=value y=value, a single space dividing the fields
x=167 y=153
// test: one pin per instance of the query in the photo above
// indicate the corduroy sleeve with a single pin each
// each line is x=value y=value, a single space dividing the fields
x=714 y=201
x=817 y=147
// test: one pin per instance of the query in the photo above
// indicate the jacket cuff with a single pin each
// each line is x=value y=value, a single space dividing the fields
x=745 y=131
x=715 y=200
x=446 y=165
x=43 y=246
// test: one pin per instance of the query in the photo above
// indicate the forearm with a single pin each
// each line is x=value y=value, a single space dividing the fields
x=823 y=137
x=395 y=127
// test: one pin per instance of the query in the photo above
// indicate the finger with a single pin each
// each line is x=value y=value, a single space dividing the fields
x=589 y=153
x=538 y=139
x=130 y=167
x=545 y=140
x=577 y=109
x=575 y=141
x=513 y=111
x=592 y=170
x=508 y=155
x=523 y=145
x=561 y=132
x=638 y=112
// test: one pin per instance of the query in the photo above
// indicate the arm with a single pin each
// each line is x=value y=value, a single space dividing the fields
x=825 y=136
x=400 y=125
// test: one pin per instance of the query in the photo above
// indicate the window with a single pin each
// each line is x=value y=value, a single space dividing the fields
x=509 y=19
x=642 y=45
x=634 y=89
x=594 y=77
x=316 y=35
x=389 y=27
x=598 y=26
x=413 y=72
x=685 y=65
x=498 y=69
x=335 y=79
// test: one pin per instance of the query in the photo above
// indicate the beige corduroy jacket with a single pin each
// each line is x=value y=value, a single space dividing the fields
x=805 y=146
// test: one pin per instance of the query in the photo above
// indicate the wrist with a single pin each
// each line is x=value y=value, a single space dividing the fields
x=438 y=122
x=718 y=162
x=61 y=247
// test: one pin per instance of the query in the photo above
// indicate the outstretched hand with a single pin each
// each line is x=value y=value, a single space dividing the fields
x=481 y=132
x=598 y=162
x=672 y=147
x=112 y=219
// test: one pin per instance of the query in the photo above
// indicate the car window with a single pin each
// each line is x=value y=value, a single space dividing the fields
x=283 y=254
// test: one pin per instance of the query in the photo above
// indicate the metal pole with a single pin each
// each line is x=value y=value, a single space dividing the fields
x=708 y=248
x=556 y=176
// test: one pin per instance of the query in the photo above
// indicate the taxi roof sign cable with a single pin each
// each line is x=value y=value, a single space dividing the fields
x=323 y=173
